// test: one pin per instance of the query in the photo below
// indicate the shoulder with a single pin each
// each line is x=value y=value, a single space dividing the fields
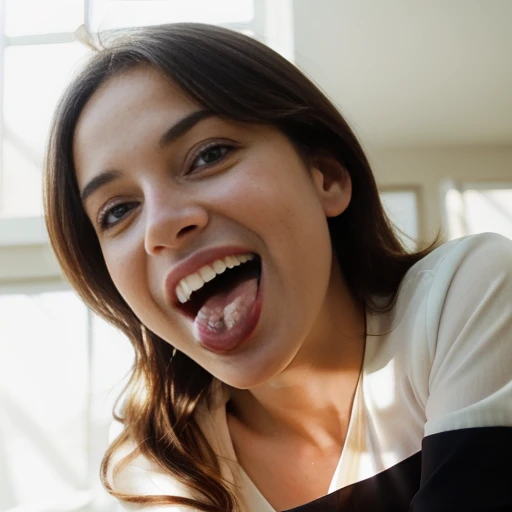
x=449 y=334
x=486 y=251
x=470 y=284
x=454 y=274
x=455 y=279
x=468 y=319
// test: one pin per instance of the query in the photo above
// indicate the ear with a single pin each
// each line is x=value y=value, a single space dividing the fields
x=332 y=183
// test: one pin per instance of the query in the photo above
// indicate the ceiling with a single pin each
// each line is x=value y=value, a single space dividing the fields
x=411 y=73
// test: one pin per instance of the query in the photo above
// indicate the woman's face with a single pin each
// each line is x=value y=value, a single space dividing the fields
x=177 y=196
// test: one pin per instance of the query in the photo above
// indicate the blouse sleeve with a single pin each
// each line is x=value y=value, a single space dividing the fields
x=467 y=448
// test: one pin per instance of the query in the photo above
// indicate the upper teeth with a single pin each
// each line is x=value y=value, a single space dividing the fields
x=197 y=280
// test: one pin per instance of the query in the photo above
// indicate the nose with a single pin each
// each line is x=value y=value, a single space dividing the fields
x=171 y=220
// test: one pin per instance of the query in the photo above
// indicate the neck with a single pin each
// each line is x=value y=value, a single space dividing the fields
x=312 y=398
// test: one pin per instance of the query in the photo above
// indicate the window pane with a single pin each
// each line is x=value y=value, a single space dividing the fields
x=112 y=358
x=120 y=13
x=489 y=210
x=35 y=77
x=402 y=209
x=21 y=181
x=43 y=396
x=480 y=210
x=56 y=398
x=25 y=17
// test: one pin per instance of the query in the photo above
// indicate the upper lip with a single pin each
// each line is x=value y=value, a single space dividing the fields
x=194 y=263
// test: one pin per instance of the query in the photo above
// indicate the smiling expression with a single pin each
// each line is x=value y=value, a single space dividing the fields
x=173 y=191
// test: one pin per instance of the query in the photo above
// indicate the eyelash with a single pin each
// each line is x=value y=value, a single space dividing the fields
x=204 y=150
x=104 y=213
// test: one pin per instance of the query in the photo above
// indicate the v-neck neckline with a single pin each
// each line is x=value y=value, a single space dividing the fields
x=347 y=469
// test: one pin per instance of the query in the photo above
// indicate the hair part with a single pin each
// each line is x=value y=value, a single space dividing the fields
x=237 y=78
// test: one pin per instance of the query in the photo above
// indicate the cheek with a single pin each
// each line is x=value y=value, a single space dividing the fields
x=272 y=192
x=128 y=271
x=276 y=199
x=139 y=285
x=279 y=203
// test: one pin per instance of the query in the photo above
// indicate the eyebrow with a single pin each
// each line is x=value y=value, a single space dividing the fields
x=98 y=182
x=183 y=126
x=174 y=132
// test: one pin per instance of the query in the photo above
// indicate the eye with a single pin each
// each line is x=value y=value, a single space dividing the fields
x=111 y=216
x=211 y=155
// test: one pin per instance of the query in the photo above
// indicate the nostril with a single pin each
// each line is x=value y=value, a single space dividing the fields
x=186 y=230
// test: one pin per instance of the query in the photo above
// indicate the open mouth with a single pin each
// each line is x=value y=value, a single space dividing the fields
x=220 y=301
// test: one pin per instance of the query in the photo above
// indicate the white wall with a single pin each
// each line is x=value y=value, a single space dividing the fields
x=407 y=73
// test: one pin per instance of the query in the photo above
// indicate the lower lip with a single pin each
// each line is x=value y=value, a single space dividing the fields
x=237 y=335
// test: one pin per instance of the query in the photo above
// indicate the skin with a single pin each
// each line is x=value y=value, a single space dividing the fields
x=294 y=379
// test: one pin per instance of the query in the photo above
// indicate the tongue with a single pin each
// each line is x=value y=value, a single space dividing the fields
x=227 y=309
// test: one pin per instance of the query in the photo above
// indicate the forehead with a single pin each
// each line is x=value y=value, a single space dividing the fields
x=140 y=97
x=137 y=87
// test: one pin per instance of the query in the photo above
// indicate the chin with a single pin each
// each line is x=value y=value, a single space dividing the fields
x=246 y=377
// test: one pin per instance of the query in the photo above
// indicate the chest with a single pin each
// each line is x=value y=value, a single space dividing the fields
x=288 y=473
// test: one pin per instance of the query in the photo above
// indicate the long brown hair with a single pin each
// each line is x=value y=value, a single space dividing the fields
x=240 y=79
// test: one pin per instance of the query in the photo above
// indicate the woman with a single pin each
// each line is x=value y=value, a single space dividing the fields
x=206 y=198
